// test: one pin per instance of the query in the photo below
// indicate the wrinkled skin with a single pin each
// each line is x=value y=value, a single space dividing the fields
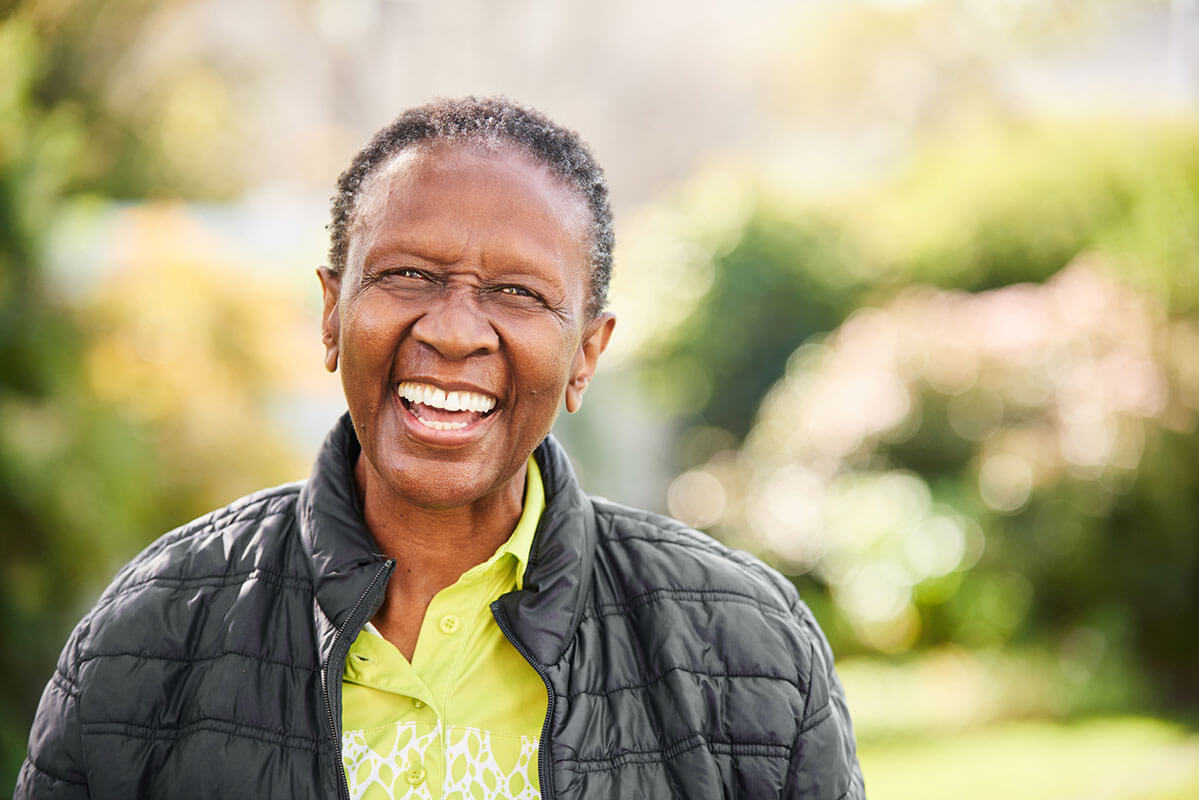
x=468 y=270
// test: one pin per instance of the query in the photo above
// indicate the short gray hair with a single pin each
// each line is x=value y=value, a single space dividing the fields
x=491 y=121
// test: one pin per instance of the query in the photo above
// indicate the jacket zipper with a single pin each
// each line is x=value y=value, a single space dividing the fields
x=544 y=763
x=343 y=785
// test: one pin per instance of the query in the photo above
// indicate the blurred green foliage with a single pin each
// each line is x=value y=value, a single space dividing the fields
x=1020 y=202
x=56 y=504
x=84 y=476
x=103 y=445
x=1095 y=558
x=1016 y=204
x=782 y=282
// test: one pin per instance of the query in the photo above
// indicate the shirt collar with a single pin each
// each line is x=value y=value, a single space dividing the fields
x=520 y=543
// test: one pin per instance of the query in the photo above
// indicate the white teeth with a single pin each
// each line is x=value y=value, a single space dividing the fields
x=427 y=395
x=441 y=426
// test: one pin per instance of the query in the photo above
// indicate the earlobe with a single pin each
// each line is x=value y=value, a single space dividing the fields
x=595 y=341
x=330 y=315
x=330 y=352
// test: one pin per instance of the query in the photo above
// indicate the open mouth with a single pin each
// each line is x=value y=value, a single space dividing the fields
x=440 y=410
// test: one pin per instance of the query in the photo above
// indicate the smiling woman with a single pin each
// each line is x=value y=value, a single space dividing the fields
x=440 y=610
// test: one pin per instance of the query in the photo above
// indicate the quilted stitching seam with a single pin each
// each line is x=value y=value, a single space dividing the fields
x=53 y=775
x=685 y=596
x=661 y=677
x=672 y=751
x=196 y=659
x=273 y=577
x=210 y=725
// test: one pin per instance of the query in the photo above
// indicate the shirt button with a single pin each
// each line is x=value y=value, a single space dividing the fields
x=418 y=703
x=449 y=624
x=415 y=773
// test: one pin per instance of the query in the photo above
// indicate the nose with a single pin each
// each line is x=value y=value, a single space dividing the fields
x=456 y=326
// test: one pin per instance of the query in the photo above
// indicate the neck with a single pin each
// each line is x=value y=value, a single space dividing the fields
x=432 y=547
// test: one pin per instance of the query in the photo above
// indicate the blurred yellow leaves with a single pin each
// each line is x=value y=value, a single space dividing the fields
x=201 y=348
x=194 y=128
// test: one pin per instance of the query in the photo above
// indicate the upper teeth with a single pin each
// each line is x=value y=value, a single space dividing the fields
x=428 y=395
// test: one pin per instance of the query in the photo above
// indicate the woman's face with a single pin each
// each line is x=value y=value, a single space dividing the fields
x=460 y=321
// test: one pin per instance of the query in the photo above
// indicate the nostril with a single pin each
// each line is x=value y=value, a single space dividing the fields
x=456 y=329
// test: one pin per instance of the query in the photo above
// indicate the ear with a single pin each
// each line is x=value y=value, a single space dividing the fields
x=595 y=341
x=330 y=316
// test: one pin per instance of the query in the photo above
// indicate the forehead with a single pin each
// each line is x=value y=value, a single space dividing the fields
x=437 y=182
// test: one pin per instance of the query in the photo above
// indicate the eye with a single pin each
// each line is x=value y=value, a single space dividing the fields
x=398 y=277
x=517 y=291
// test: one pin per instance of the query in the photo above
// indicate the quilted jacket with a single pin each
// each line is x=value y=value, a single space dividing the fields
x=212 y=665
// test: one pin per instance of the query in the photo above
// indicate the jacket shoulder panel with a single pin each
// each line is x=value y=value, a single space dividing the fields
x=701 y=661
x=200 y=610
x=696 y=606
x=254 y=532
x=687 y=559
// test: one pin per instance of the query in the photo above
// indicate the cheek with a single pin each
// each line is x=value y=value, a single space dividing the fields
x=370 y=322
x=549 y=368
x=368 y=342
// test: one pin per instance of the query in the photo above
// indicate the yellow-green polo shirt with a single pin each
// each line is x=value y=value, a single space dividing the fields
x=463 y=720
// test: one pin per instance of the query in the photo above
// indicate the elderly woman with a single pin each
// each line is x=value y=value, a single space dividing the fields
x=439 y=610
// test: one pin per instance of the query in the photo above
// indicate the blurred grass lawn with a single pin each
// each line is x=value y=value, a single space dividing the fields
x=1113 y=758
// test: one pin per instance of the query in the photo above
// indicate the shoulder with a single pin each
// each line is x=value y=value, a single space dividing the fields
x=690 y=609
x=710 y=645
x=202 y=565
x=655 y=572
x=227 y=541
x=662 y=552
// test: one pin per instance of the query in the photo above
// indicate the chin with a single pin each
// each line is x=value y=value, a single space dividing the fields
x=443 y=486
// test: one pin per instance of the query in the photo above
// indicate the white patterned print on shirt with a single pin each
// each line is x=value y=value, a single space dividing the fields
x=472 y=771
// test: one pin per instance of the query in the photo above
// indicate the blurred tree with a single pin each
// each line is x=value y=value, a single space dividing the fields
x=158 y=116
x=1020 y=202
x=85 y=479
x=985 y=440
x=1016 y=205
x=53 y=525
x=780 y=282
x=1050 y=419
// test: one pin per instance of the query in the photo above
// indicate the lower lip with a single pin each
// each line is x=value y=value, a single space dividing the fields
x=420 y=431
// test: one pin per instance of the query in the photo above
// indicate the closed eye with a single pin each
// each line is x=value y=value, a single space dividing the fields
x=521 y=298
x=403 y=276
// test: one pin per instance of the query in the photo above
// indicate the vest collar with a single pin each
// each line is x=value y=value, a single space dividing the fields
x=545 y=614
x=343 y=554
x=345 y=558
